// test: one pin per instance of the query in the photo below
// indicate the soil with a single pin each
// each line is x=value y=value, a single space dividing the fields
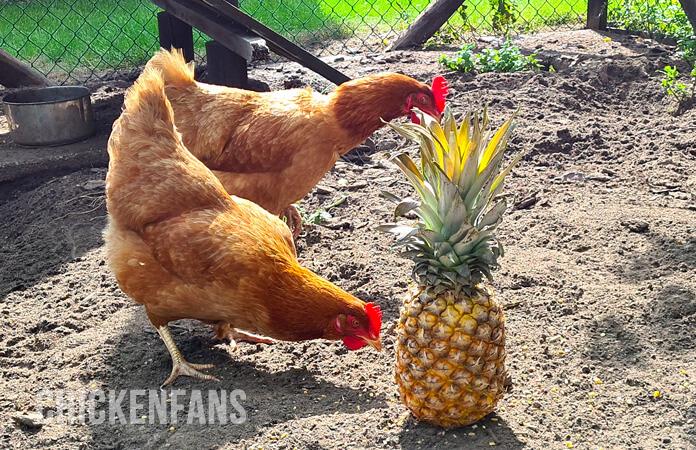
x=597 y=279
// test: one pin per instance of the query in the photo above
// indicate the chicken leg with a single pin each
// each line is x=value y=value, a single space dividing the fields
x=226 y=331
x=179 y=365
x=293 y=219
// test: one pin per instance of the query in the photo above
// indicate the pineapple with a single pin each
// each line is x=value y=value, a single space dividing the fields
x=450 y=354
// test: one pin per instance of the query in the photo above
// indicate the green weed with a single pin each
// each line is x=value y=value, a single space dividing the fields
x=682 y=93
x=321 y=214
x=507 y=59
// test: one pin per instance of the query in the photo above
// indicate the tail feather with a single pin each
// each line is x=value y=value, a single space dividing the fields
x=175 y=70
x=151 y=174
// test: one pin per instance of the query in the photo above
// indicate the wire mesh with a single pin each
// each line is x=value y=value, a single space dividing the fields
x=86 y=40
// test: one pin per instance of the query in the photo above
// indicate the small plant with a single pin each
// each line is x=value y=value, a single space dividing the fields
x=687 y=47
x=444 y=36
x=682 y=93
x=463 y=60
x=321 y=214
x=505 y=15
x=507 y=59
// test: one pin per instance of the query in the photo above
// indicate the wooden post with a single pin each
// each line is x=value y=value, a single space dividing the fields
x=597 y=14
x=221 y=20
x=14 y=73
x=275 y=41
x=225 y=67
x=175 y=33
x=426 y=24
x=690 y=10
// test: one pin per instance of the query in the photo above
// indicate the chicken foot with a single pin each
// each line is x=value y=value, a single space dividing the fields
x=179 y=365
x=293 y=220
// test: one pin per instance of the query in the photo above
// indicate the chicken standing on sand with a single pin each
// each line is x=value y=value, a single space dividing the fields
x=273 y=147
x=181 y=246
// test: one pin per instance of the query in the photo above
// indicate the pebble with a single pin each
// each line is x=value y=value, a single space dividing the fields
x=635 y=225
x=31 y=420
x=94 y=185
x=357 y=185
x=598 y=177
x=387 y=144
x=324 y=190
x=573 y=177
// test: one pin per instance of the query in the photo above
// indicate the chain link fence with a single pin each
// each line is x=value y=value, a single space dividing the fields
x=87 y=40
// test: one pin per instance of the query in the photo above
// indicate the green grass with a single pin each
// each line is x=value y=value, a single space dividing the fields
x=120 y=34
x=95 y=33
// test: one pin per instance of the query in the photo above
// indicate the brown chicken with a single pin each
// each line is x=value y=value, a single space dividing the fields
x=180 y=245
x=273 y=147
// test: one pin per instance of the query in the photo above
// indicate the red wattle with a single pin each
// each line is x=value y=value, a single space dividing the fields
x=353 y=343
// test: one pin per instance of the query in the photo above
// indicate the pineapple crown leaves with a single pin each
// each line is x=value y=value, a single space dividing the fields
x=460 y=175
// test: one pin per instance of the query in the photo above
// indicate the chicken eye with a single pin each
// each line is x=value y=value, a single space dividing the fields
x=424 y=100
x=354 y=323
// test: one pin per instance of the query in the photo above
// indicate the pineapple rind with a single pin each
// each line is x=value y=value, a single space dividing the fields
x=451 y=378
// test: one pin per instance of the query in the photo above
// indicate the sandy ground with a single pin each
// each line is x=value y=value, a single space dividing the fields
x=598 y=277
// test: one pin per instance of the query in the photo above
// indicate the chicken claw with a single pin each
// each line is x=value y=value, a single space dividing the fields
x=179 y=365
x=293 y=219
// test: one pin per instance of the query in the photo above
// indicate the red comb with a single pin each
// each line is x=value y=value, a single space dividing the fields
x=375 y=315
x=440 y=90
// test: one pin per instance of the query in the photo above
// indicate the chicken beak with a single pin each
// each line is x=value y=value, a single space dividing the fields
x=375 y=343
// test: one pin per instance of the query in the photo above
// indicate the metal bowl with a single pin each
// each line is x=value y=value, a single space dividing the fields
x=53 y=115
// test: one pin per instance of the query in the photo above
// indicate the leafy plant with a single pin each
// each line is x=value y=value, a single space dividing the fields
x=507 y=59
x=321 y=214
x=505 y=15
x=662 y=18
x=687 y=47
x=463 y=60
x=665 y=17
x=682 y=93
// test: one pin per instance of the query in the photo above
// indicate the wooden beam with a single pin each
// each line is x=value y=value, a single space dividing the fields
x=597 y=14
x=14 y=73
x=225 y=67
x=223 y=31
x=275 y=41
x=426 y=24
x=690 y=10
x=174 y=32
